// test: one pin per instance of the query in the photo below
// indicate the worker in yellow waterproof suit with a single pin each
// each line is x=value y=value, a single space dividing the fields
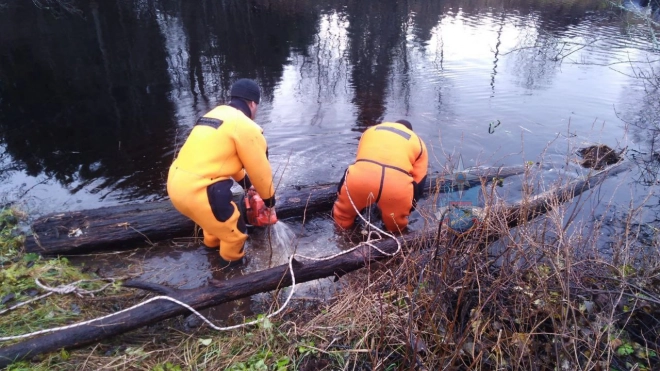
x=389 y=170
x=224 y=144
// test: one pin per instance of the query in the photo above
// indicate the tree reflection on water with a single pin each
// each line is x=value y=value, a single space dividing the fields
x=98 y=99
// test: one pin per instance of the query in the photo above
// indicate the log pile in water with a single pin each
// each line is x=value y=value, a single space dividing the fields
x=271 y=279
x=138 y=224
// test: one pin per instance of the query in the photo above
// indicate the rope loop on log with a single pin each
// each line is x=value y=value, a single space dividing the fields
x=62 y=289
x=73 y=287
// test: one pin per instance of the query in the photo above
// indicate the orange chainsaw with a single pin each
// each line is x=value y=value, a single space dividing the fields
x=256 y=211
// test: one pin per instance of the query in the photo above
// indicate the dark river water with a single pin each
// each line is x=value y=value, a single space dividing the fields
x=94 y=103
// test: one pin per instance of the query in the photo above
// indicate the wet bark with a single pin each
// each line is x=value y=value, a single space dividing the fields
x=271 y=279
x=141 y=224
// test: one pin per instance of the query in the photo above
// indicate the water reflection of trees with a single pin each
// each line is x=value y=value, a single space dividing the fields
x=377 y=34
x=375 y=29
x=645 y=132
x=87 y=98
x=323 y=65
x=645 y=119
x=81 y=100
x=545 y=43
x=237 y=38
x=372 y=35
x=95 y=97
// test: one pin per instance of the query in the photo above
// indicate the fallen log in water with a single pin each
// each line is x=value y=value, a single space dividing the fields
x=544 y=202
x=139 y=224
x=269 y=279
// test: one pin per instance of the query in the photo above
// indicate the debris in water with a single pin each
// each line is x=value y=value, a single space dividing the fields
x=492 y=125
x=599 y=156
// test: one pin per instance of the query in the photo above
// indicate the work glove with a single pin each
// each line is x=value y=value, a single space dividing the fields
x=270 y=202
x=418 y=191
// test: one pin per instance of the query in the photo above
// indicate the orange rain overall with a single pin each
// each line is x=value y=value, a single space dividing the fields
x=391 y=161
x=224 y=144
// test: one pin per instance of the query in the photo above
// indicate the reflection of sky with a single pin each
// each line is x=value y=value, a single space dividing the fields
x=452 y=99
x=308 y=127
x=450 y=87
x=178 y=59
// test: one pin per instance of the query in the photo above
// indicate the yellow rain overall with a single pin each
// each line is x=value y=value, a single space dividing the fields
x=224 y=144
x=390 y=167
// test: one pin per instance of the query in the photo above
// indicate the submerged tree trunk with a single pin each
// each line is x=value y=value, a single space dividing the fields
x=271 y=279
x=140 y=224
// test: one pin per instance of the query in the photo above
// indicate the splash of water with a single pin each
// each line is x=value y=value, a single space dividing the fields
x=282 y=237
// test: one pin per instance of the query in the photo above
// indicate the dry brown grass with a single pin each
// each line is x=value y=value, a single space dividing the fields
x=541 y=299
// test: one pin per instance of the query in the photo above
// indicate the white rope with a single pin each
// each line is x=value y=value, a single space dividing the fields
x=368 y=242
x=161 y=297
x=62 y=289
x=68 y=288
x=26 y=302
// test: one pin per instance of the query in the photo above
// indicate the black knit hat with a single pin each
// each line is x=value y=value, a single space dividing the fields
x=246 y=89
x=405 y=123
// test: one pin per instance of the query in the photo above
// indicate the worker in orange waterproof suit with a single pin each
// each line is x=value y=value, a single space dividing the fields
x=223 y=145
x=389 y=170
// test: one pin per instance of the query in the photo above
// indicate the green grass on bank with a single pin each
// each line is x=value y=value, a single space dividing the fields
x=18 y=285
